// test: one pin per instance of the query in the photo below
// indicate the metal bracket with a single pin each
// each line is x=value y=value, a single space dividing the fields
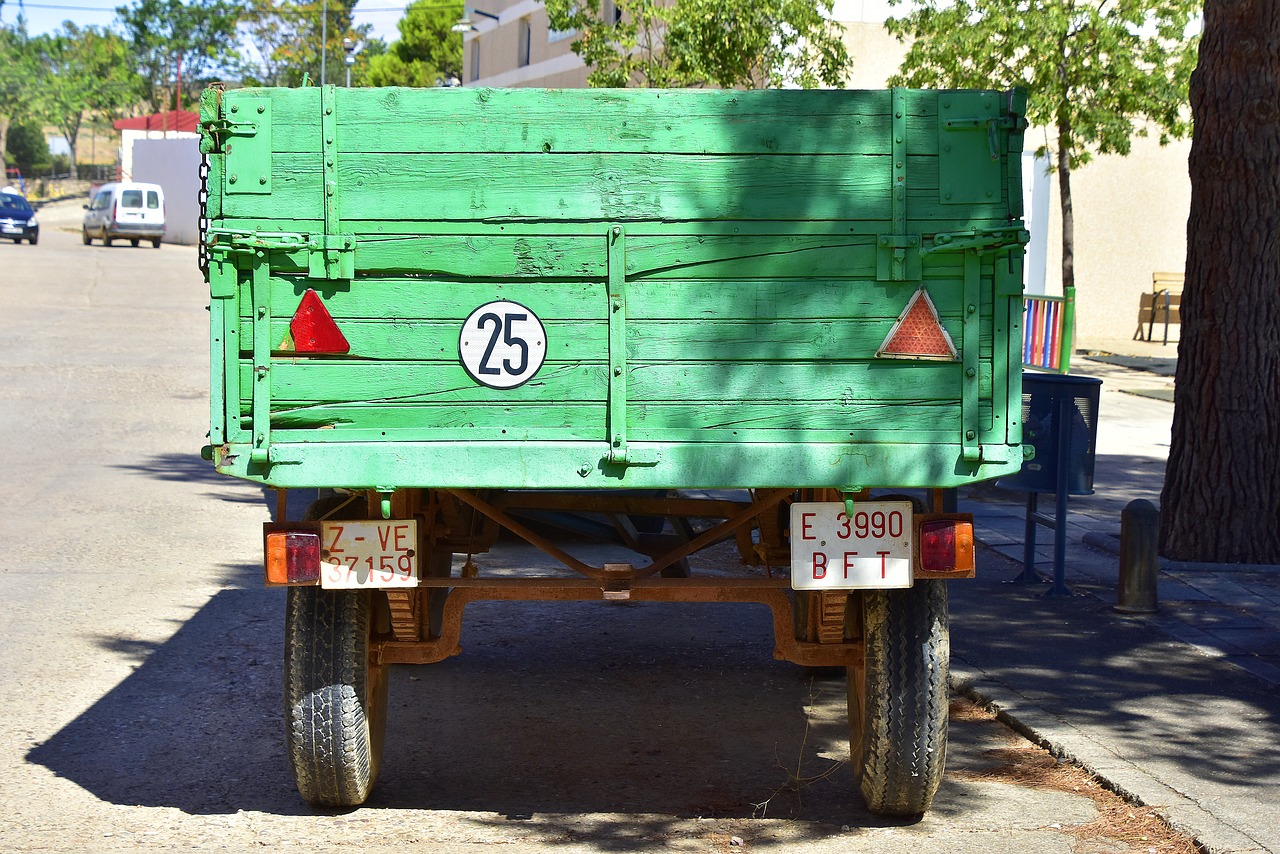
x=969 y=352
x=898 y=258
x=898 y=254
x=334 y=258
x=245 y=136
x=260 y=452
x=619 y=453
x=969 y=163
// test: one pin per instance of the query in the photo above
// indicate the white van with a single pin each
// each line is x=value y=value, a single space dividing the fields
x=127 y=211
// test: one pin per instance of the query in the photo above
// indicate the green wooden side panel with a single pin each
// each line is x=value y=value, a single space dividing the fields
x=714 y=274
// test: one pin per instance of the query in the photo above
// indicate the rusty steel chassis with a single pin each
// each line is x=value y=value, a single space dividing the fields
x=426 y=622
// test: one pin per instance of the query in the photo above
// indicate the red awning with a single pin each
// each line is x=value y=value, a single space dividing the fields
x=172 y=120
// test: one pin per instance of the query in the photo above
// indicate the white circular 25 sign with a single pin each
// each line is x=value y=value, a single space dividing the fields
x=502 y=344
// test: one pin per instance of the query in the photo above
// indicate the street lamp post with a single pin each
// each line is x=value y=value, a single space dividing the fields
x=324 y=38
x=350 y=48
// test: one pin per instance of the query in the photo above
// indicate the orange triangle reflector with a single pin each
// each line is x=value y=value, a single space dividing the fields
x=313 y=329
x=918 y=334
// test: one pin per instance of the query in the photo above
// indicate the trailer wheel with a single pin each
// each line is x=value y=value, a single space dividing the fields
x=898 y=703
x=335 y=698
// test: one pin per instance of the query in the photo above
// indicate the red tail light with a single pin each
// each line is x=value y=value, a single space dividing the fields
x=313 y=329
x=946 y=545
x=292 y=555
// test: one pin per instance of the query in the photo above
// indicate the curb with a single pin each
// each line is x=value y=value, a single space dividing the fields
x=1069 y=743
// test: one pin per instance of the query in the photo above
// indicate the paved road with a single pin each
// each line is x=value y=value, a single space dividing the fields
x=141 y=681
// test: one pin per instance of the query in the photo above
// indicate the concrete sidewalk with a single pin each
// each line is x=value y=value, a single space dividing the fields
x=1180 y=709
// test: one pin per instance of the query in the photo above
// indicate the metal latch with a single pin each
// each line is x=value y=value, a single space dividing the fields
x=329 y=256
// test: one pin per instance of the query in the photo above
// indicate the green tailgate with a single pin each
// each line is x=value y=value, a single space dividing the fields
x=715 y=273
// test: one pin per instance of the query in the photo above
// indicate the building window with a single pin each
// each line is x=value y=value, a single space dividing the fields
x=523 y=42
x=475 y=60
x=610 y=13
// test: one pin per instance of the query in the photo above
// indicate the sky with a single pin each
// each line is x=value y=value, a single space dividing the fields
x=44 y=16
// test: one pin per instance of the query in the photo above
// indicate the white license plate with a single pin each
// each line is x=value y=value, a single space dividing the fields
x=378 y=553
x=830 y=551
x=12 y=229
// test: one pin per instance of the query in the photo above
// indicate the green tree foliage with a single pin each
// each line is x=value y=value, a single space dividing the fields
x=428 y=51
x=284 y=39
x=1098 y=72
x=275 y=30
x=84 y=71
x=28 y=149
x=195 y=39
x=715 y=43
x=19 y=88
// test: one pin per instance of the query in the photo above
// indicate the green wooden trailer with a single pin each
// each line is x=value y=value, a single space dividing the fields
x=743 y=314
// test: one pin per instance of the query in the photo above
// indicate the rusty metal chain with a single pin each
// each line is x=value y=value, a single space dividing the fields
x=203 y=200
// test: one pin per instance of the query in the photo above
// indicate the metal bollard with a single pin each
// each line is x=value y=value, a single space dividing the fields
x=1139 y=559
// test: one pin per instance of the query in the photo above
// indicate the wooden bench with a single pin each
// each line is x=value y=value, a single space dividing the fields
x=1163 y=305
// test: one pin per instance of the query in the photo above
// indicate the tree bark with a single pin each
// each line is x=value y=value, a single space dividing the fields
x=1221 y=499
x=1066 y=206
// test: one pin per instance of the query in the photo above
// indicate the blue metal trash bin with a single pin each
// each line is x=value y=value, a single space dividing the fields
x=1059 y=420
x=1050 y=402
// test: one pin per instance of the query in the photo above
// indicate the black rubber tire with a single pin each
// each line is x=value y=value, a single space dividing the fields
x=84 y=236
x=898 y=716
x=335 y=701
x=155 y=243
x=106 y=241
x=33 y=240
x=134 y=242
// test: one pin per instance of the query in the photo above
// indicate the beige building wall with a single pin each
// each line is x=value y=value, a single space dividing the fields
x=1131 y=221
x=493 y=48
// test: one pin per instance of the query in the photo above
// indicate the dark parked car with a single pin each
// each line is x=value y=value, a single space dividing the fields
x=17 y=219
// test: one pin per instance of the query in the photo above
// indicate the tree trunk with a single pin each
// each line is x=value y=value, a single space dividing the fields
x=1221 y=499
x=4 y=148
x=1068 y=212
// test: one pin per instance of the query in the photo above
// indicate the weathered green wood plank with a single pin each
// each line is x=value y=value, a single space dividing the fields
x=409 y=300
x=592 y=186
x=305 y=381
x=827 y=341
x=393 y=231
x=538 y=121
x=648 y=299
x=674 y=422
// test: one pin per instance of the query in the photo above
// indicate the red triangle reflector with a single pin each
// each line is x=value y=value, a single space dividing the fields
x=918 y=334
x=313 y=329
